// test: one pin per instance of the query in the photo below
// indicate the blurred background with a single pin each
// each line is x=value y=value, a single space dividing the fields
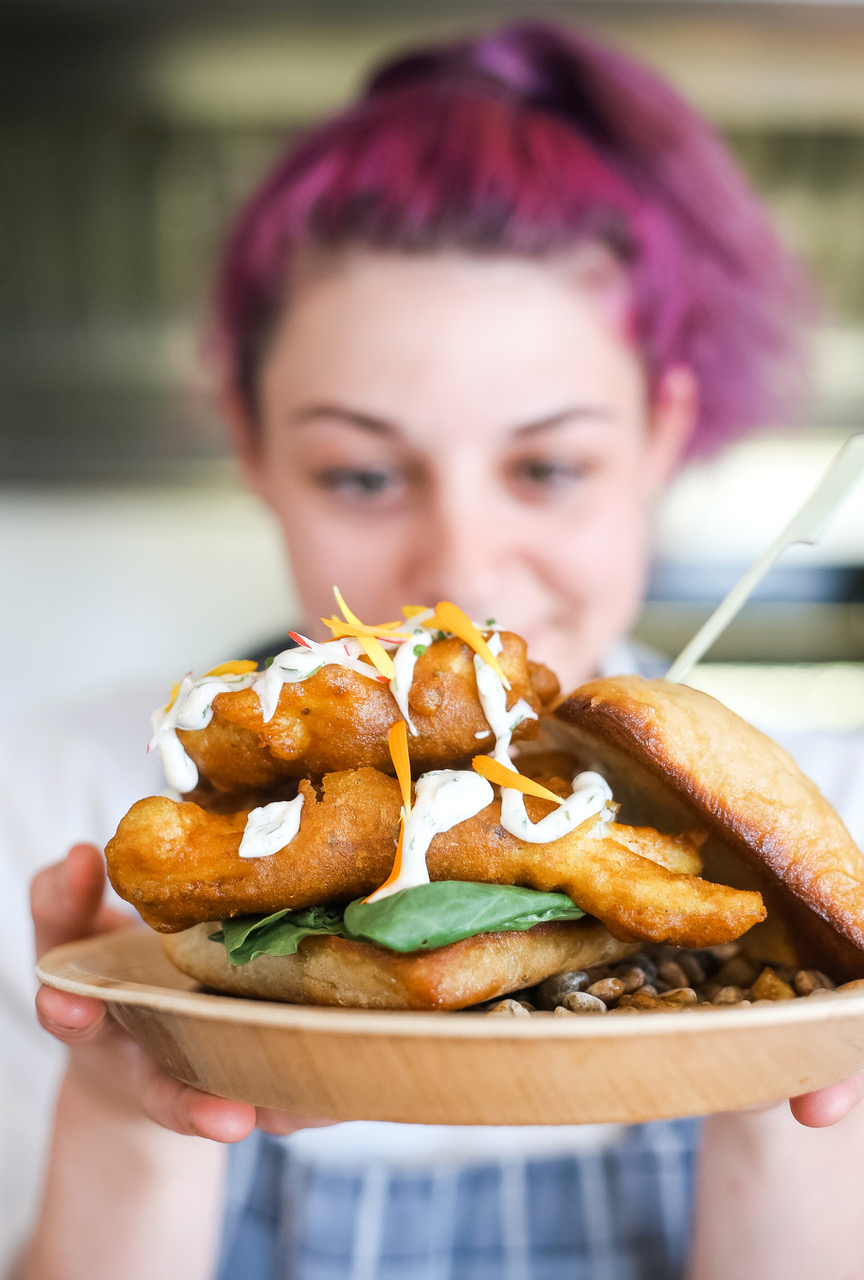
x=130 y=132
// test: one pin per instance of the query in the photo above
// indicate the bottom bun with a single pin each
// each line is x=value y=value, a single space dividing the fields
x=333 y=971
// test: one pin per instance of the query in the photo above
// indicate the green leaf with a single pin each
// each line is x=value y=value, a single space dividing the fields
x=280 y=934
x=433 y=915
x=417 y=919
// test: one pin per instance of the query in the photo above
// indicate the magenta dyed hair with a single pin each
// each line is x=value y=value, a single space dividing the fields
x=529 y=141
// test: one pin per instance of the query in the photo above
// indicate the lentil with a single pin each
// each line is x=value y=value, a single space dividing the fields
x=607 y=989
x=581 y=1002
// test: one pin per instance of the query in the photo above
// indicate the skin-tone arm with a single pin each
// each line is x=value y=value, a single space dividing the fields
x=775 y=1198
x=132 y=1187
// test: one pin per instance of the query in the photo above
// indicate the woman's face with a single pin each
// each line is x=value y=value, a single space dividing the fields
x=452 y=427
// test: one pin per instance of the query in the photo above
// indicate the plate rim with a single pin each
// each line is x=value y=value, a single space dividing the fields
x=455 y=1024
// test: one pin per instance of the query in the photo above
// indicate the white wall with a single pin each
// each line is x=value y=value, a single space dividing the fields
x=102 y=589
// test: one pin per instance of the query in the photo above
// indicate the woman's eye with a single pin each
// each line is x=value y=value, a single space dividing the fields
x=544 y=475
x=360 y=482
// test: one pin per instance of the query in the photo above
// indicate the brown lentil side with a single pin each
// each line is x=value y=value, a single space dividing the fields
x=663 y=979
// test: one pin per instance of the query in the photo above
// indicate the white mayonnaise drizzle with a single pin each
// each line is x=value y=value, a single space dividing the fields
x=193 y=706
x=442 y=799
x=270 y=828
x=590 y=795
x=191 y=709
x=300 y=663
x=493 y=700
x=589 y=798
x=404 y=662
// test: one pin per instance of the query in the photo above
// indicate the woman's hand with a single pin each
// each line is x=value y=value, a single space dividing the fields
x=775 y=1198
x=122 y=1195
x=828 y=1106
x=105 y=1061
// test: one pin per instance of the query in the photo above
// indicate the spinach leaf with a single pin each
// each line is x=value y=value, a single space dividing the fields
x=417 y=919
x=280 y=934
x=433 y=915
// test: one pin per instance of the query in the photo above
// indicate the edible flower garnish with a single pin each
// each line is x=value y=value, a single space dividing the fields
x=397 y=741
x=449 y=617
x=175 y=689
x=493 y=771
x=240 y=667
x=367 y=636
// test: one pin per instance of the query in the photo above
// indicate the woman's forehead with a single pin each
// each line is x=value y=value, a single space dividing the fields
x=524 y=339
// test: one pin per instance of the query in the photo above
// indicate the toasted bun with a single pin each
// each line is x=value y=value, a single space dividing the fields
x=676 y=758
x=334 y=971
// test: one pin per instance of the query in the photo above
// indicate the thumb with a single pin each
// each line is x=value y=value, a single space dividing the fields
x=65 y=897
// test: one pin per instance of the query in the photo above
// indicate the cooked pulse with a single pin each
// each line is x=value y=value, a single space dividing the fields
x=338 y=719
x=179 y=864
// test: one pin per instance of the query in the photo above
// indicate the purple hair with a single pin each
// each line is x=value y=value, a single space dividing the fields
x=528 y=141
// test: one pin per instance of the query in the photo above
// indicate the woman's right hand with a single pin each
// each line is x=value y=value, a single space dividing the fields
x=105 y=1062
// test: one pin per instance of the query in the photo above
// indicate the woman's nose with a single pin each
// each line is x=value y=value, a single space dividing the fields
x=465 y=551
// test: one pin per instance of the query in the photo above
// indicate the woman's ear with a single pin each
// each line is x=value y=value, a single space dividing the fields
x=245 y=437
x=672 y=421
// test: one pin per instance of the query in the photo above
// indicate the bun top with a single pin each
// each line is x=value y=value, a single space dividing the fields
x=676 y=753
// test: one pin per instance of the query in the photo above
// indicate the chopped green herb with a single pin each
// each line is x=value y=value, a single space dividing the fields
x=419 y=650
x=268 y=662
x=490 y=622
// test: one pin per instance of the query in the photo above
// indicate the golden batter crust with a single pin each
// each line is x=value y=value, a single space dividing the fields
x=178 y=864
x=337 y=719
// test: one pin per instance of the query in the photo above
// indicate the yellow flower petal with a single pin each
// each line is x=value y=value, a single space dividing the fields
x=240 y=667
x=377 y=655
x=385 y=630
x=374 y=650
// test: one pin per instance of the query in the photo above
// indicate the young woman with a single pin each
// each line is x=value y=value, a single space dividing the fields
x=466 y=331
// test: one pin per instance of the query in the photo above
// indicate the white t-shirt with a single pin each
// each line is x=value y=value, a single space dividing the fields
x=69 y=774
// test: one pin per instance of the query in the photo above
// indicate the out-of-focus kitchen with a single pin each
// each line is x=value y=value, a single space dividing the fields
x=130 y=135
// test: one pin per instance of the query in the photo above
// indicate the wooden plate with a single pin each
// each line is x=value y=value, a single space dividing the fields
x=461 y=1068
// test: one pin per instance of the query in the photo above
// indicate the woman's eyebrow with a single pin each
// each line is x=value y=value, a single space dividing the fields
x=366 y=421
x=575 y=413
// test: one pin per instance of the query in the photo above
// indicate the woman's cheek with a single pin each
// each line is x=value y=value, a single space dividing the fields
x=599 y=566
x=365 y=558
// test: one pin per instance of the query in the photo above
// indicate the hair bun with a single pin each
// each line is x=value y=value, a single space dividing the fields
x=539 y=65
x=502 y=58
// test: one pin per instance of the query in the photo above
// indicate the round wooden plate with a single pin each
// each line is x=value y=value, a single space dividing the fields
x=461 y=1068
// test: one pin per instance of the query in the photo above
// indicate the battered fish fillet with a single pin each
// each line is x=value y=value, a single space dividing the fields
x=179 y=865
x=337 y=719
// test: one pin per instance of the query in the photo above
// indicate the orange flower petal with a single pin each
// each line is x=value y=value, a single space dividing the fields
x=451 y=618
x=493 y=771
x=397 y=741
